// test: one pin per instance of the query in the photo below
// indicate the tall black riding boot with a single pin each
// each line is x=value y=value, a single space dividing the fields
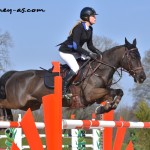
x=67 y=80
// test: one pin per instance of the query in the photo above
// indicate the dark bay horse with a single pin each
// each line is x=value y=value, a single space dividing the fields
x=24 y=89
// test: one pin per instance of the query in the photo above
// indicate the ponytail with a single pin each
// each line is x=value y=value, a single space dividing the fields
x=80 y=21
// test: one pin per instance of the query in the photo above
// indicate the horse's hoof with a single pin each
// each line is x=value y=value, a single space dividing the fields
x=10 y=118
x=2 y=118
x=114 y=106
x=99 y=110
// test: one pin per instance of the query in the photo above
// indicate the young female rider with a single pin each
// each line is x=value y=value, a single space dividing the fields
x=72 y=47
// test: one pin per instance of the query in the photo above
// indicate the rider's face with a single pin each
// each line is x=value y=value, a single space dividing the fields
x=92 y=19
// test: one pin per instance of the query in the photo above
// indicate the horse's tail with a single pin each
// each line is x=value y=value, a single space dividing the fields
x=3 y=81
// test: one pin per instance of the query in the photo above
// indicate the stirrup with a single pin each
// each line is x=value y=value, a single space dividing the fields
x=64 y=91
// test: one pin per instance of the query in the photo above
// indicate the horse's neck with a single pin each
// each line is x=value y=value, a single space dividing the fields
x=114 y=57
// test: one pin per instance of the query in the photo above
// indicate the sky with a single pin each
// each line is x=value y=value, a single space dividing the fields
x=36 y=34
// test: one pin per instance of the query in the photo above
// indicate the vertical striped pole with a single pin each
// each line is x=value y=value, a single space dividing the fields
x=18 y=136
x=101 y=134
x=96 y=136
x=74 y=134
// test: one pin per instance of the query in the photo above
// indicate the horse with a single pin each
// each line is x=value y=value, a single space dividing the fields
x=25 y=89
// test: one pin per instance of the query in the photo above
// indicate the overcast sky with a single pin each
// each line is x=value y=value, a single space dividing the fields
x=36 y=34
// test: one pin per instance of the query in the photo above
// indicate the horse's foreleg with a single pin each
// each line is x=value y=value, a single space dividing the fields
x=117 y=98
x=112 y=101
x=6 y=114
x=9 y=114
x=96 y=93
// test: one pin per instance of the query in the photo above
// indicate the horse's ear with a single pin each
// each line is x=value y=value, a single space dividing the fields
x=134 y=42
x=126 y=41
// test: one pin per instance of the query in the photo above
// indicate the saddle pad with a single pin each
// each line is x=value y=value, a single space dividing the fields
x=49 y=79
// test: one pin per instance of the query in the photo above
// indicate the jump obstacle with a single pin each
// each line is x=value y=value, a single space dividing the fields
x=78 y=124
x=53 y=123
x=75 y=136
x=83 y=124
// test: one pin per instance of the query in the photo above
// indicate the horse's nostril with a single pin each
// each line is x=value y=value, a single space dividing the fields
x=143 y=77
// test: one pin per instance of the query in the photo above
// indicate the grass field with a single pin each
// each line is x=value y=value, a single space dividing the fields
x=66 y=141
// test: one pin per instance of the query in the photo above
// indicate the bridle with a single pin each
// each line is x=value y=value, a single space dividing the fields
x=131 y=70
x=127 y=55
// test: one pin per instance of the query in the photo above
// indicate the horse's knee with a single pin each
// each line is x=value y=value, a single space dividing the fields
x=10 y=118
x=114 y=106
x=120 y=92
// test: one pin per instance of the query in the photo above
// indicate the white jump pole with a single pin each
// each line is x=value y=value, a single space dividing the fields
x=83 y=124
x=90 y=124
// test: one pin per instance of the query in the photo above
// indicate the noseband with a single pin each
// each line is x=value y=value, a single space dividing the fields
x=131 y=70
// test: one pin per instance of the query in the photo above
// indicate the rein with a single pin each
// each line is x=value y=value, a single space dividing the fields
x=97 y=67
x=126 y=55
x=113 y=67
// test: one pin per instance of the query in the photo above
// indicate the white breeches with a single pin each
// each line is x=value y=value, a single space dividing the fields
x=70 y=60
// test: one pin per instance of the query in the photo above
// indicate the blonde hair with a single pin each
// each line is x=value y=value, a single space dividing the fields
x=79 y=21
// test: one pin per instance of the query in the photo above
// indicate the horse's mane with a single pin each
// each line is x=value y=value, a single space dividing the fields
x=114 y=48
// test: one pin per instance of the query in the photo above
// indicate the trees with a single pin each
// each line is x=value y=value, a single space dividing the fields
x=102 y=43
x=141 y=137
x=141 y=106
x=5 y=44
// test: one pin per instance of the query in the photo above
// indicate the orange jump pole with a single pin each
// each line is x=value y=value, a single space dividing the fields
x=52 y=107
x=130 y=146
x=31 y=132
x=14 y=147
x=120 y=134
x=108 y=132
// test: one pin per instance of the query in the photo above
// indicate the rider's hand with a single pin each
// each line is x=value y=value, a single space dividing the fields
x=98 y=52
x=93 y=55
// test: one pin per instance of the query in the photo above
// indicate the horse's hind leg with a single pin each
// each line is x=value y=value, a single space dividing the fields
x=2 y=114
x=6 y=114
x=9 y=114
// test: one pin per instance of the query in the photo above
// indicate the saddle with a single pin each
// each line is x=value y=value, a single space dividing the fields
x=64 y=69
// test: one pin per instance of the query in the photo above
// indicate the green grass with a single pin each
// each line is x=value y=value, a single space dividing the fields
x=65 y=141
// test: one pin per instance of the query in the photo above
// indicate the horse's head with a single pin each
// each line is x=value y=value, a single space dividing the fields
x=131 y=61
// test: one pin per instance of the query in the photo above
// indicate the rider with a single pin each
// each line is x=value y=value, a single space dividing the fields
x=72 y=48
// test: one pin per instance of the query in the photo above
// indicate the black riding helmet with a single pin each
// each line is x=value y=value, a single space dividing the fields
x=86 y=12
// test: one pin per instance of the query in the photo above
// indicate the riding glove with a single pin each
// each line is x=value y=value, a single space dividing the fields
x=93 y=55
x=98 y=52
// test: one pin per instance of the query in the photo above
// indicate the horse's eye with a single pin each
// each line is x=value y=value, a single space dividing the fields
x=134 y=57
